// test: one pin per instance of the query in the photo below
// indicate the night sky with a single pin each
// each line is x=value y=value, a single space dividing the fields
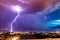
x=37 y=15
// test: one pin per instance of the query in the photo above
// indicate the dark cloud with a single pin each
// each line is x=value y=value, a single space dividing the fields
x=29 y=21
x=56 y=27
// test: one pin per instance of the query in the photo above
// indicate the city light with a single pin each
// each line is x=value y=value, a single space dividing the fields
x=15 y=38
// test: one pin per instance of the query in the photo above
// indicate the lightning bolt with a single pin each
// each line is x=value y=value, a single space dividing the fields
x=11 y=30
x=18 y=10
